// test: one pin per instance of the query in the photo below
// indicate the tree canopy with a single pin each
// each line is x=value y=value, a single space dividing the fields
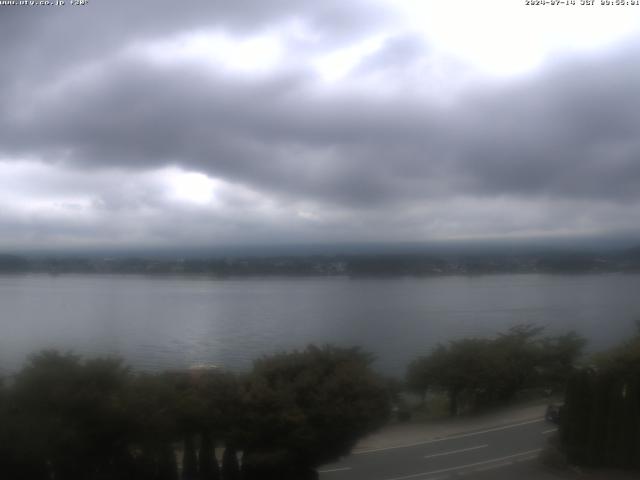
x=600 y=422
x=485 y=371
x=310 y=407
x=65 y=417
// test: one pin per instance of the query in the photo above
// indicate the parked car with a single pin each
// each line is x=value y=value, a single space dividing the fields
x=553 y=413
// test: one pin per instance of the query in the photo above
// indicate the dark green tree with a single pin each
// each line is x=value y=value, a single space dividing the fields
x=74 y=412
x=208 y=465
x=479 y=372
x=309 y=407
x=230 y=466
x=189 y=459
x=559 y=356
x=601 y=418
x=153 y=411
x=423 y=373
x=167 y=468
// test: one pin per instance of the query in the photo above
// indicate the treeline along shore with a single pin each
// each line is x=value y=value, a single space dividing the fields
x=389 y=264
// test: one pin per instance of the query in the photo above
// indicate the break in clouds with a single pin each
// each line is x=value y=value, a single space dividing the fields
x=210 y=123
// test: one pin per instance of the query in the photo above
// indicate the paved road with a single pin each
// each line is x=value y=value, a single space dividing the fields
x=499 y=452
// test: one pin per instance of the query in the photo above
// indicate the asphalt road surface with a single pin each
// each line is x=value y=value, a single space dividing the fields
x=504 y=452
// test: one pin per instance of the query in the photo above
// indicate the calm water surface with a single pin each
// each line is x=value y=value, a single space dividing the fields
x=175 y=322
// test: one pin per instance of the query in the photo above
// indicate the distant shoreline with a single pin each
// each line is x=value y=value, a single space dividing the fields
x=350 y=266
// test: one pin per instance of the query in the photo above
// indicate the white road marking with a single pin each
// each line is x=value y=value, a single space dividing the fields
x=496 y=466
x=456 y=451
x=488 y=468
x=551 y=430
x=468 y=465
x=453 y=437
x=332 y=470
x=527 y=459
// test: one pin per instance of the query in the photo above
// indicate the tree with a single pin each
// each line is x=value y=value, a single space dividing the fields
x=559 y=356
x=208 y=465
x=221 y=408
x=152 y=408
x=75 y=419
x=19 y=457
x=478 y=372
x=601 y=418
x=74 y=413
x=166 y=469
x=308 y=408
x=189 y=459
x=465 y=370
x=422 y=373
x=230 y=466
x=517 y=356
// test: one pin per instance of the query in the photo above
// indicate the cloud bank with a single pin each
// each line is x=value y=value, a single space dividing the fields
x=210 y=123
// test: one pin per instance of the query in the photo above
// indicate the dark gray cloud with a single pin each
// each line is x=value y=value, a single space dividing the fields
x=46 y=40
x=78 y=96
x=567 y=132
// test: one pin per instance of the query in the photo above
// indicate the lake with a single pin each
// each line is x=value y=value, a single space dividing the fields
x=168 y=322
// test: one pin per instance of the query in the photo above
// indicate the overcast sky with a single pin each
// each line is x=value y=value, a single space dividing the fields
x=172 y=124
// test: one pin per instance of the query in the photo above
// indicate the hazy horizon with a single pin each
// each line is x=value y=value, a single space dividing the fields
x=467 y=247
